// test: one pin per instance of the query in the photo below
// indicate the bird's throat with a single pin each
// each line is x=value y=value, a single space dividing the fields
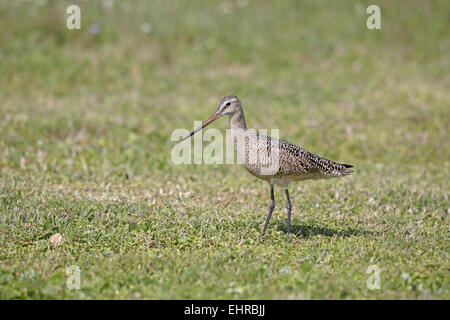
x=237 y=120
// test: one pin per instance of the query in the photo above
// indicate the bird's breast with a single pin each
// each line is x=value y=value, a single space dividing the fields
x=259 y=154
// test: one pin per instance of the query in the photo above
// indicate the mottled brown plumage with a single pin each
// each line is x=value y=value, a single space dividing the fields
x=294 y=162
x=274 y=160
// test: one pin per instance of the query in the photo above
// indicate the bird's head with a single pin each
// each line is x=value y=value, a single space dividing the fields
x=227 y=105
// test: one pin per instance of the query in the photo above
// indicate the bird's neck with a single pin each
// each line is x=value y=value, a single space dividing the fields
x=237 y=120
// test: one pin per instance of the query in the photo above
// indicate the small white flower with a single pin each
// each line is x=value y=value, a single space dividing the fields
x=146 y=27
x=405 y=276
x=56 y=240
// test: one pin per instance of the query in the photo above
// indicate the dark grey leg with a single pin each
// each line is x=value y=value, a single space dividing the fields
x=288 y=207
x=271 y=207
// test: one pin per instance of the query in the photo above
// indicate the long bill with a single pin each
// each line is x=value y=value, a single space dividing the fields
x=214 y=117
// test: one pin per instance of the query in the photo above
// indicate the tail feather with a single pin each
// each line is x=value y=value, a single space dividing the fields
x=346 y=171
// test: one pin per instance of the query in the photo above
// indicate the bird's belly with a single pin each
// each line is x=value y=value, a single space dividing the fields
x=283 y=179
x=256 y=171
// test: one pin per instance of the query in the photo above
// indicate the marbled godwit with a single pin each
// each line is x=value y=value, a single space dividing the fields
x=273 y=160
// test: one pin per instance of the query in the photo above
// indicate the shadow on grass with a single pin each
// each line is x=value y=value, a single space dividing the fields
x=306 y=231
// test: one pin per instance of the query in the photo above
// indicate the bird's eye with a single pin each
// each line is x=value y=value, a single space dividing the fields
x=227 y=104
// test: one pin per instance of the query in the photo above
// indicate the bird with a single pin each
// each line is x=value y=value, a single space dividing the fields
x=277 y=161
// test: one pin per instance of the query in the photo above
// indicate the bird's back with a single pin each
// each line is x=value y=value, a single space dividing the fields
x=297 y=160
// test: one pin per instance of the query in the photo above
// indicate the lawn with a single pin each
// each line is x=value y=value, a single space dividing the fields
x=86 y=118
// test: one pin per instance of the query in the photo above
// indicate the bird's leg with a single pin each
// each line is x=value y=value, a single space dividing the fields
x=288 y=207
x=271 y=207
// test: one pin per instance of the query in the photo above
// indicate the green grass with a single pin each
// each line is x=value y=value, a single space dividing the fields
x=85 y=126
